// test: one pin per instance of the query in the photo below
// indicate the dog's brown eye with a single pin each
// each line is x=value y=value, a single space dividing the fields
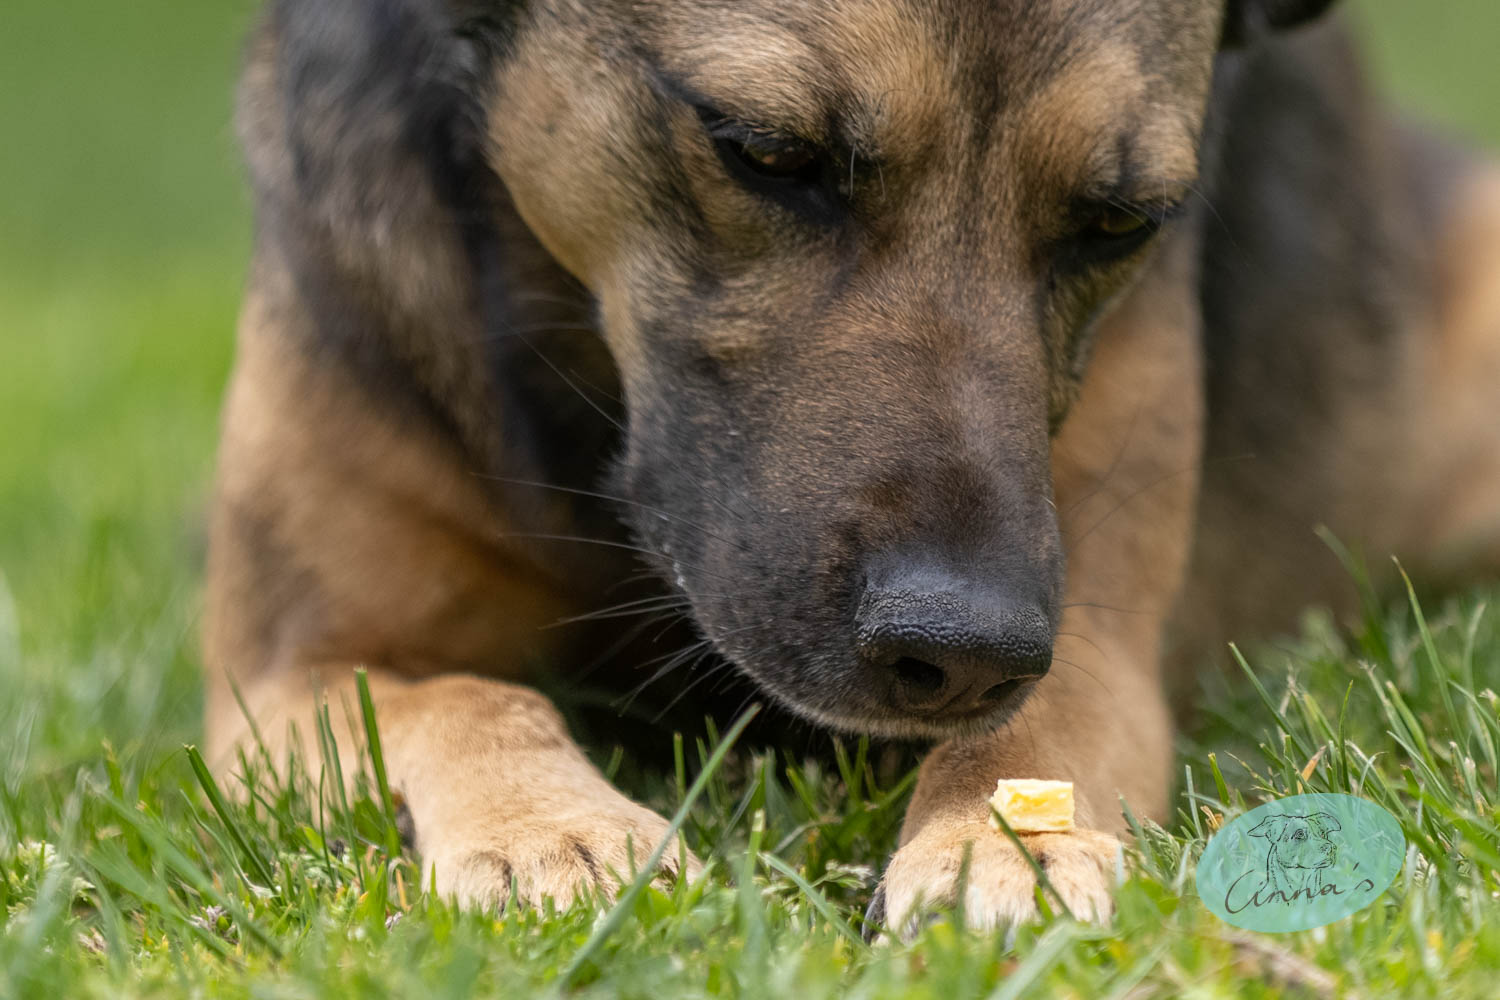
x=765 y=153
x=1111 y=229
x=1118 y=223
x=778 y=157
x=791 y=171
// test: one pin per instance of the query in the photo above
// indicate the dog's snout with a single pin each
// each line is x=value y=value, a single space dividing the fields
x=953 y=652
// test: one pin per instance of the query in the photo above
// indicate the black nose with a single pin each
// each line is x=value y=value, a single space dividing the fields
x=947 y=651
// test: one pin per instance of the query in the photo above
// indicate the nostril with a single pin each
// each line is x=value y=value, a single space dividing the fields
x=1003 y=690
x=918 y=673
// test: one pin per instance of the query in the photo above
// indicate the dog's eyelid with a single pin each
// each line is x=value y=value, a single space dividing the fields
x=1159 y=208
x=716 y=111
x=1140 y=190
x=723 y=126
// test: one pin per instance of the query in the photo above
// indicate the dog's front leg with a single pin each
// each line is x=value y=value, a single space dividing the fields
x=1125 y=473
x=499 y=794
x=1107 y=730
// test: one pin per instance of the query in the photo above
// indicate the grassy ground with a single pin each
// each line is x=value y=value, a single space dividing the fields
x=122 y=243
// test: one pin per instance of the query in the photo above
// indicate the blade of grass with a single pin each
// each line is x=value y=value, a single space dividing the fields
x=1036 y=869
x=1282 y=721
x=221 y=807
x=377 y=761
x=752 y=912
x=817 y=899
x=622 y=906
x=1374 y=637
x=1220 y=785
x=174 y=858
x=328 y=748
x=260 y=743
x=1439 y=673
x=1045 y=954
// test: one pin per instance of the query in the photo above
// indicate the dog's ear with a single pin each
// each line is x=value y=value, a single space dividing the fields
x=361 y=124
x=1323 y=823
x=1248 y=20
x=1271 y=828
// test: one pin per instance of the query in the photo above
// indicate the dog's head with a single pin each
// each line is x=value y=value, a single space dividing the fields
x=1300 y=841
x=847 y=256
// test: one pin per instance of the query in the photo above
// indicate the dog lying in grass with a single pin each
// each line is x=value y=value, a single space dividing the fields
x=957 y=370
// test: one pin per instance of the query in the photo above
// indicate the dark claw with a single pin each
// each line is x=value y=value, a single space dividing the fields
x=875 y=914
x=406 y=826
x=587 y=857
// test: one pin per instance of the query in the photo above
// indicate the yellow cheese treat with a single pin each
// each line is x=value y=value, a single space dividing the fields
x=1032 y=806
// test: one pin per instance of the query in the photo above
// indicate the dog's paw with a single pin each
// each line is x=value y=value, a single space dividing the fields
x=922 y=878
x=557 y=857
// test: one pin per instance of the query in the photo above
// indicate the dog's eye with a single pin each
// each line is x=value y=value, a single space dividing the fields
x=782 y=159
x=1119 y=223
x=787 y=169
x=1300 y=835
x=1110 y=230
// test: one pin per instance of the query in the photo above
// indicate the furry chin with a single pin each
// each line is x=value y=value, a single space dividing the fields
x=894 y=727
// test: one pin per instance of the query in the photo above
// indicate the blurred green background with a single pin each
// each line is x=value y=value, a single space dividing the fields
x=124 y=230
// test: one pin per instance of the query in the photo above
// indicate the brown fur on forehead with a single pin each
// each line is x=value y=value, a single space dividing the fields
x=1125 y=109
x=891 y=69
x=799 y=64
x=1136 y=137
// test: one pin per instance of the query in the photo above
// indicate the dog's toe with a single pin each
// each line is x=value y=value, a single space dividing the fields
x=563 y=859
x=1000 y=887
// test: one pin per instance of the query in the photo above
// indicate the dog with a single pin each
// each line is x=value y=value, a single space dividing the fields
x=1298 y=852
x=958 y=370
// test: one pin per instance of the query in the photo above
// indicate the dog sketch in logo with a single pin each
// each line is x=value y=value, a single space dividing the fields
x=1301 y=862
x=1299 y=850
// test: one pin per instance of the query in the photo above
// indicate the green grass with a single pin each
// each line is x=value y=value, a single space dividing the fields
x=123 y=237
x=131 y=876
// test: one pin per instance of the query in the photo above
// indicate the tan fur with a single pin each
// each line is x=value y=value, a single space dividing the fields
x=1069 y=130
x=402 y=568
x=499 y=790
x=386 y=552
x=1454 y=520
